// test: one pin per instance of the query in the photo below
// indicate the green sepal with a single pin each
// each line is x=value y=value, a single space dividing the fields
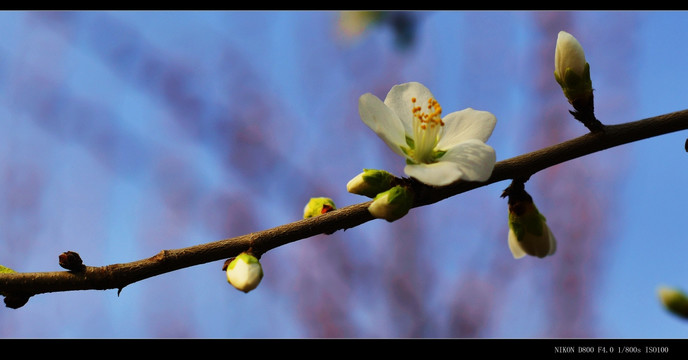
x=575 y=85
x=380 y=180
x=370 y=182
x=437 y=154
x=392 y=204
x=245 y=257
x=406 y=150
x=410 y=142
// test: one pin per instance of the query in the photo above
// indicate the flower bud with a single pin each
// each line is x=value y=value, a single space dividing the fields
x=318 y=206
x=674 y=300
x=392 y=204
x=530 y=235
x=528 y=230
x=370 y=183
x=571 y=70
x=244 y=272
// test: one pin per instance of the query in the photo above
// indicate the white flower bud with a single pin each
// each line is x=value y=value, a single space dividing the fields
x=244 y=272
x=538 y=244
x=370 y=183
x=568 y=55
x=392 y=204
x=571 y=69
x=528 y=230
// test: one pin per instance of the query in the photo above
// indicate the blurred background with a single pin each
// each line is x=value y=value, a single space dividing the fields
x=125 y=133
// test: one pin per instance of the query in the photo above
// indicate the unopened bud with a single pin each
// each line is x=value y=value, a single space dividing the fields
x=318 y=206
x=244 y=272
x=528 y=230
x=71 y=261
x=370 y=182
x=674 y=300
x=392 y=204
x=571 y=70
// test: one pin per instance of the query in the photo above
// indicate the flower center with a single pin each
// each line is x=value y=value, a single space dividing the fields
x=427 y=129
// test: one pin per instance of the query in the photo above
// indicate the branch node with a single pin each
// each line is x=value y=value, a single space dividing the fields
x=71 y=261
x=15 y=301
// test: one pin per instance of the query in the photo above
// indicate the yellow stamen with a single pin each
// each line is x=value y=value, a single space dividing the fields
x=427 y=129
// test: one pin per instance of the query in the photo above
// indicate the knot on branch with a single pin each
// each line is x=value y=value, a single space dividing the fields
x=71 y=261
x=15 y=301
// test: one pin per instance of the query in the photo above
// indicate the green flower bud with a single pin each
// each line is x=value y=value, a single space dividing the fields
x=529 y=234
x=318 y=206
x=571 y=70
x=528 y=230
x=674 y=300
x=370 y=183
x=244 y=272
x=392 y=204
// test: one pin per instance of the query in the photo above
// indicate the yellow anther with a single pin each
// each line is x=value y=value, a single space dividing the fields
x=427 y=129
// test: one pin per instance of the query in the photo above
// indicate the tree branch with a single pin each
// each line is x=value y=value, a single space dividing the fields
x=117 y=276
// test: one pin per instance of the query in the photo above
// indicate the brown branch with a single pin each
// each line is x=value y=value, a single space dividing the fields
x=117 y=276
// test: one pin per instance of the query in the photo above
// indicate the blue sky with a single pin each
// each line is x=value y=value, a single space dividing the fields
x=124 y=133
x=652 y=242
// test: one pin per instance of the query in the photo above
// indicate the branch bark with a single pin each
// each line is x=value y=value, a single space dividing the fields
x=117 y=276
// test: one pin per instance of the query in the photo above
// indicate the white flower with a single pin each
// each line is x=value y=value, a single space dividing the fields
x=244 y=272
x=438 y=151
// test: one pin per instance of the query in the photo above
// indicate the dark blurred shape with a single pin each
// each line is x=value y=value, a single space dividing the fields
x=674 y=300
x=353 y=24
x=404 y=26
x=16 y=301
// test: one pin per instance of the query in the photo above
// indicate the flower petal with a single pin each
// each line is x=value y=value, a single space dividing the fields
x=383 y=121
x=466 y=124
x=473 y=158
x=568 y=54
x=514 y=246
x=435 y=174
x=470 y=160
x=399 y=100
